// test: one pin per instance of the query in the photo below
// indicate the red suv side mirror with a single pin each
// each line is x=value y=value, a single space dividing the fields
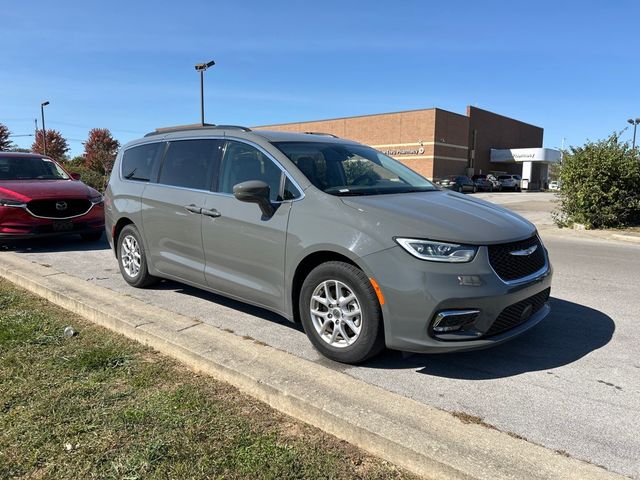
x=75 y=176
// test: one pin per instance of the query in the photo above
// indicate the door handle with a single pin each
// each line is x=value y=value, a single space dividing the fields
x=210 y=213
x=193 y=209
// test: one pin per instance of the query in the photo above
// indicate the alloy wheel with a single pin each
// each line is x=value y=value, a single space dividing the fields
x=130 y=255
x=336 y=314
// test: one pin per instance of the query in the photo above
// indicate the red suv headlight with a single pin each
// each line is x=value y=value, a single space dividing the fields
x=12 y=203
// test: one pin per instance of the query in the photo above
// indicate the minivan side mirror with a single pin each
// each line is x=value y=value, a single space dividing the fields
x=74 y=176
x=255 y=191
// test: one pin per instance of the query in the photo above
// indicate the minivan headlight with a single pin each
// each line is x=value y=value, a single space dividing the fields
x=438 y=251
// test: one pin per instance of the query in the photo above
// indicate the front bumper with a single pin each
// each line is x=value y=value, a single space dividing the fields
x=18 y=224
x=416 y=291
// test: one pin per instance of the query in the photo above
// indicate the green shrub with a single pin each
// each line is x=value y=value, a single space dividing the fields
x=92 y=178
x=600 y=185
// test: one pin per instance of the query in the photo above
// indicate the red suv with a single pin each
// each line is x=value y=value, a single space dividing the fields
x=39 y=198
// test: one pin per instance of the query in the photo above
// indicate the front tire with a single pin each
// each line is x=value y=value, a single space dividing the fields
x=132 y=259
x=341 y=314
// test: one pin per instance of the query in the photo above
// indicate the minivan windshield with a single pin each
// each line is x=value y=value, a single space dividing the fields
x=345 y=169
x=30 y=168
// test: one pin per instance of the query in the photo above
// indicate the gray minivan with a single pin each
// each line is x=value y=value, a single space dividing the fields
x=360 y=249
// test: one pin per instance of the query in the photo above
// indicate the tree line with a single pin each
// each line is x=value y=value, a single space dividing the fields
x=94 y=165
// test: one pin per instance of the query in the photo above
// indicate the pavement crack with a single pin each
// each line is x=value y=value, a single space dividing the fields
x=141 y=324
x=188 y=327
x=609 y=384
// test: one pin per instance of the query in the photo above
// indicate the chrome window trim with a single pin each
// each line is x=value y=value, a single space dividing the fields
x=189 y=189
x=209 y=137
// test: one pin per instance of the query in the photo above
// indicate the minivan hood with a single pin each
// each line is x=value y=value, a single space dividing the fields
x=31 y=189
x=442 y=215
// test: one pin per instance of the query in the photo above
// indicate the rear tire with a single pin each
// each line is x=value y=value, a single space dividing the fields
x=460 y=190
x=346 y=323
x=132 y=259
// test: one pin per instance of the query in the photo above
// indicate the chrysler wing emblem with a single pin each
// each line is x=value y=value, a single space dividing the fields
x=524 y=253
x=61 y=206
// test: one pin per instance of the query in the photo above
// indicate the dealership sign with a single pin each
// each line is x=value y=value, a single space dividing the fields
x=506 y=155
x=392 y=152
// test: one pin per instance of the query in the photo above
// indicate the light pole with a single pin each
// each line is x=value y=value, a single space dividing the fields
x=201 y=67
x=44 y=131
x=635 y=123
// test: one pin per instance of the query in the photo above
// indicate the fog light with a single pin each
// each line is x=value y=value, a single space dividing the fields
x=469 y=280
x=454 y=320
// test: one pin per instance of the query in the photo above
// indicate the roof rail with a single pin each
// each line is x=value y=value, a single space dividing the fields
x=195 y=126
x=233 y=127
x=323 y=134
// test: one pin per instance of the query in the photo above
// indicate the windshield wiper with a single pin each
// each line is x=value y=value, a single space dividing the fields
x=355 y=193
x=414 y=190
x=129 y=175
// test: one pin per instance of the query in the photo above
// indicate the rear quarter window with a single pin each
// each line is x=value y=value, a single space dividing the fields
x=138 y=162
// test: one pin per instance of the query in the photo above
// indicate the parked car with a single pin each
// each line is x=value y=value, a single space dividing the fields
x=486 y=183
x=513 y=182
x=459 y=183
x=39 y=198
x=482 y=184
x=554 y=185
x=497 y=186
x=359 y=248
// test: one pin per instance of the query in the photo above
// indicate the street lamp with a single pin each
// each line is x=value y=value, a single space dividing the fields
x=201 y=67
x=635 y=123
x=44 y=131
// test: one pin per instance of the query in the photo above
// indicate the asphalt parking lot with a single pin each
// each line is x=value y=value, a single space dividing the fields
x=570 y=384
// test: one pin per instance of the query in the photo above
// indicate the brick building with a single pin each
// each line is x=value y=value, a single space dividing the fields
x=434 y=142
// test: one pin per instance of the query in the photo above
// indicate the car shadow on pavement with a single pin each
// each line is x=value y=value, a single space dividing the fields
x=569 y=333
x=71 y=243
x=170 y=285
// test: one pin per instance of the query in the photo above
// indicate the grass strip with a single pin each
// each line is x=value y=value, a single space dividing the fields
x=97 y=405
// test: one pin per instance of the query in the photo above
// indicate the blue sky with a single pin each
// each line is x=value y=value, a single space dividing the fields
x=570 y=67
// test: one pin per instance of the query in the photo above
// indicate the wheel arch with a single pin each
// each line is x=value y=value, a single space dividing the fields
x=305 y=266
x=117 y=228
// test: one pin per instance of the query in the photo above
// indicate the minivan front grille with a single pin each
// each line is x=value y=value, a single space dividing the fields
x=512 y=261
x=63 y=208
x=518 y=313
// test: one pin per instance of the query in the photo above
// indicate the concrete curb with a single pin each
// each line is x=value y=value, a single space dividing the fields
x=422 y=439
x=627 y=238
x=589 y=235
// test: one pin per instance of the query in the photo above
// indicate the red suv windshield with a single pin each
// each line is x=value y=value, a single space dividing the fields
x=30 y=168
